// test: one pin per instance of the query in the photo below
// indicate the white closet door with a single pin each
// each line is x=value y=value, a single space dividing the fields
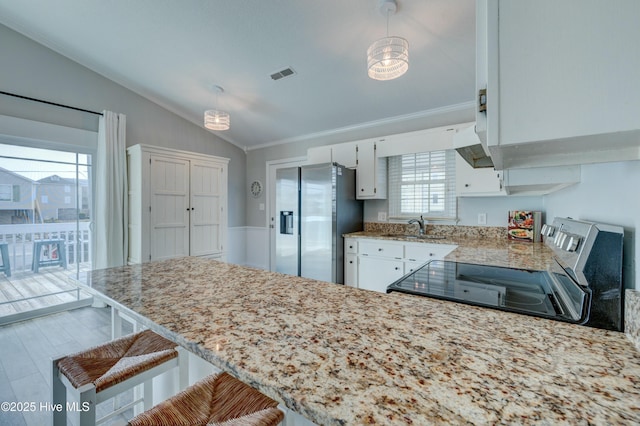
x=169 y=182
x=206 y=208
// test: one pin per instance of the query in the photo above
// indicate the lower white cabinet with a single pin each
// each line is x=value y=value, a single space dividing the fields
x=372 y=264
x=376 y=273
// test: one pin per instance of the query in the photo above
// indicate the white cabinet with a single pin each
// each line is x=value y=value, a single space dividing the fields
x=351 y=262
x=177 y=204
x=319 y=155
x=345 y=154
x=381 y=262
x=371 y=172
x=472 y=182
x=377 y=273
x=565 y=92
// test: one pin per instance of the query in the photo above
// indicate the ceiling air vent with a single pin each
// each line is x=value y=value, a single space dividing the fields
x=282 y=73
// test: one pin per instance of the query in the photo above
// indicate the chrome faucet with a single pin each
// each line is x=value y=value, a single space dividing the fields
x=420 y=223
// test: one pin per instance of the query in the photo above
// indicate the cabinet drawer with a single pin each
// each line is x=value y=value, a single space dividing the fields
x=381 y=249
x=351 y=245
x=424 y=252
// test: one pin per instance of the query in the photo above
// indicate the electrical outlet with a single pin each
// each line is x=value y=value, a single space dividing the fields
x=382 y=216
x=482 y=218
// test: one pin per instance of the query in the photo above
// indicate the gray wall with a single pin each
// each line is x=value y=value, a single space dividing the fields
x=607 y=193
x=33 y=70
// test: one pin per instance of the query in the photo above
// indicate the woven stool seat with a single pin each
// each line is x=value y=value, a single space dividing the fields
x=102 y=372
x=218 y=399
x=116 y=361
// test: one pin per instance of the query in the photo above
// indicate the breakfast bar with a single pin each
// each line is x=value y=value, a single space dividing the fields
x=342 y=356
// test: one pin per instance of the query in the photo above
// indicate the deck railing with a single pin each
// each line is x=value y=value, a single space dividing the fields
x=20 y=240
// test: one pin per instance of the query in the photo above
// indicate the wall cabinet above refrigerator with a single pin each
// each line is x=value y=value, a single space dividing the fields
x=557 y=82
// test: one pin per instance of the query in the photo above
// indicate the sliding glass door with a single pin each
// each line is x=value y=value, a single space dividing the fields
x=45 y=221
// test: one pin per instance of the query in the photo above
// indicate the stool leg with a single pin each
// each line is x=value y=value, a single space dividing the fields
x=87 y=406
x=183 y=368
x=148 y=394
x=59 y=396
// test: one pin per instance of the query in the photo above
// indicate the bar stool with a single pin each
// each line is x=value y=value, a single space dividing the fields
x=6 y=266
x=218 y=399
x=37 y=250
x=102 y=372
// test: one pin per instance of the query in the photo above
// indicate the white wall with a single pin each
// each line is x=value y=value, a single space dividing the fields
x=608 y=193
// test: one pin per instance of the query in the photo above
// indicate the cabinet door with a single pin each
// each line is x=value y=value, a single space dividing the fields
x=412 y=266
x=207 y=191
x=366 y=173
x=169 y=209
x=377 y=273
x=371 y=172
x=477 y=182
x=561 y=93
x=351 y=270
x=344 y=154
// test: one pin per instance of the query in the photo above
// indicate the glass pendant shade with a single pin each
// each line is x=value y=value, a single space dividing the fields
x=388 y=58
x=216 y=120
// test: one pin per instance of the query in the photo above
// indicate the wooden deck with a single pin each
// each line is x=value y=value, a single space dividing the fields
x=27 y=294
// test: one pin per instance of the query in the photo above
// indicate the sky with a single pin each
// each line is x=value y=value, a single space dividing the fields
x=43 y=162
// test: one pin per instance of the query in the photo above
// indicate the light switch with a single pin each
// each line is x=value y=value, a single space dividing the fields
x=261 y=207
x=382 y=216
x=482 y=218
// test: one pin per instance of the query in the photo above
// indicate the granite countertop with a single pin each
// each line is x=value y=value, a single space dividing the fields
x=344 y=356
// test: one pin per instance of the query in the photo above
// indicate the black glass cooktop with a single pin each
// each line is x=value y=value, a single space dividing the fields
x=539 y=293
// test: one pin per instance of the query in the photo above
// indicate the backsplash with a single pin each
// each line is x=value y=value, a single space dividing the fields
x=632 y=316
x=453 y=231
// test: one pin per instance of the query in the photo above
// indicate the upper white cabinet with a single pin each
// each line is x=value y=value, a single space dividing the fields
x=472 y=182
x=177 y=204
x=561 y=80
x=345 y=154
x=371 y=172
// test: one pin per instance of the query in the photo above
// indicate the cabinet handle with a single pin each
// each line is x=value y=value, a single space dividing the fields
x=431 y=254
x=351 y=261
x=380 y=249
x=361 y=189
x=466 y=185
x=397 y=268
x=350 y=246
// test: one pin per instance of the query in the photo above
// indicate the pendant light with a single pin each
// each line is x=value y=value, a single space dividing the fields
x=388 y=58
x=215 y=119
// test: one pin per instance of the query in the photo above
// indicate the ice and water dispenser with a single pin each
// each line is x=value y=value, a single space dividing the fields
x=286 y=222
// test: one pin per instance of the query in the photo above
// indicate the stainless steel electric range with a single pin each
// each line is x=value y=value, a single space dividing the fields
x=582 y=286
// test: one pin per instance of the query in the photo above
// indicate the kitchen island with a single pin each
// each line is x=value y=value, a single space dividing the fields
x=343 y=356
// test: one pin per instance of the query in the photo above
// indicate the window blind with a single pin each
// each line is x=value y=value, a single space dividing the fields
x=422 y=184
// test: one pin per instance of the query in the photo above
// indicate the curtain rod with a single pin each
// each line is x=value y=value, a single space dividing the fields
x=49 y=103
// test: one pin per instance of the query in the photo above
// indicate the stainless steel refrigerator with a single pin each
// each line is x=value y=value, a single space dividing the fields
x=315 y=205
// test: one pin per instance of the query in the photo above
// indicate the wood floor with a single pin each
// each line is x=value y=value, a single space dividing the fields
x=27 y=294
x=26 y=348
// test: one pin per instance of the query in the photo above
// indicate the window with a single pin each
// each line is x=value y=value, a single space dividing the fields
x=422 y=184
x=6 y=192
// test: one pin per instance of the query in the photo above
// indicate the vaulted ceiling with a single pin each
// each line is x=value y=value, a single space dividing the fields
x=173 y=52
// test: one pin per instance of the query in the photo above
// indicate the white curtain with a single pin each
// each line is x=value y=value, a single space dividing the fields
x=111 y=224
